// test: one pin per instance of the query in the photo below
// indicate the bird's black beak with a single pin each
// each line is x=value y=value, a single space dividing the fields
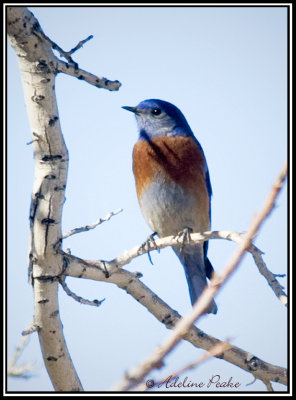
x=132 y=109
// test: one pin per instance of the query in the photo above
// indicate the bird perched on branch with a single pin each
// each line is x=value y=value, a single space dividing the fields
x=173 y=185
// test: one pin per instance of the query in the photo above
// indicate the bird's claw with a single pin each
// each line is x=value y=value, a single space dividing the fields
x=148 y=245
x=184 y=237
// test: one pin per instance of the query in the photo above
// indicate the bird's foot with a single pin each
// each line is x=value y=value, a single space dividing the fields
x=184 y=237
x=148 y=245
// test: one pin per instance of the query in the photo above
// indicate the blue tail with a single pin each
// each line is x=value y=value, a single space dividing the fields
x=197 y=267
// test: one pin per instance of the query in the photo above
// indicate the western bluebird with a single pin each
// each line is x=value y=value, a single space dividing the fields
x=173 y=185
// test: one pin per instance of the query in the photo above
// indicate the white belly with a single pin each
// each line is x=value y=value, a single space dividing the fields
x=168 y=210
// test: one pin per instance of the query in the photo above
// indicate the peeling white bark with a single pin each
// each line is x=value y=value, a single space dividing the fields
x=36 y=62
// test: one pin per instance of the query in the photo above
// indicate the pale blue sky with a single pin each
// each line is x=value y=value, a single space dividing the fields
x=225 y=68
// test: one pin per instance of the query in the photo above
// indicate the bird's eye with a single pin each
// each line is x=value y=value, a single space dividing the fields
x=156 y=111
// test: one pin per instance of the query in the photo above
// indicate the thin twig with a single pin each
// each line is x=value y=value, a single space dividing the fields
x=268 y=386
x=214 y=352
x=81 y=300
x=21 y=370
x=91 y=226
x=32 y=328
x=71 y=67
x=78 y=46
x=66 y=54
x=137 y=374
x=252 y=382
x=270 y=277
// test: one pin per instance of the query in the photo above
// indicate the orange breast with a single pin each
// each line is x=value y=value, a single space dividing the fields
x=176 y=158
x=171 y=161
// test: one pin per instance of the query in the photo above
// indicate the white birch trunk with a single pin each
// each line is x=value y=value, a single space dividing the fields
x=37 y=66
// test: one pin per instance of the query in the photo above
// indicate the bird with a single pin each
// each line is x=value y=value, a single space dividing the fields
x=173 y=185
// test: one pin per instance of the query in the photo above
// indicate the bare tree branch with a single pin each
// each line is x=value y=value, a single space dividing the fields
x=78 y=46
x=129 y=255
x=138 y=373
x=80 y=299
x=66 y=54
x=19 y=370
x=236 y=237
x=270 y=277
x=71 y=67
x=94 y=80
x=269 y=387
x=130 y=282
x=91 y=226
x=31 y=329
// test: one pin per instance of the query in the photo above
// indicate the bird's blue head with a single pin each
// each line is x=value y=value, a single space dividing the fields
x=159 y=118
